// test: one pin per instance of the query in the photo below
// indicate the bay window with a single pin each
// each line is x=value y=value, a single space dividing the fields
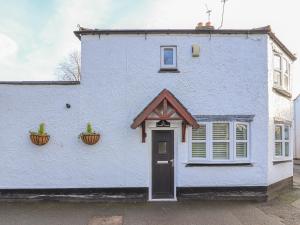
x=220 y=142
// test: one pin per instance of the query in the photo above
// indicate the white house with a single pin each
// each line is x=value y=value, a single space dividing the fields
x=182 y=114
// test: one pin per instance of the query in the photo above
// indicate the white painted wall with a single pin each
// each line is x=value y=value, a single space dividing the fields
x=281 y=107
x=297 y=127
x=119 y=78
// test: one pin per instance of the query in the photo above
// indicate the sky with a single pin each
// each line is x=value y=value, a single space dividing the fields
x=36 y=35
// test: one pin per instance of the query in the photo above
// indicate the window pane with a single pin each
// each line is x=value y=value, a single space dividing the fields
x=168 y=56
x=286 y=133
x=199 y=134
x=278 y=149
x=277 y=78
x=285 y=66
x=162 y=147
x=287 y=149
x=278 y=133
x=285 y=82
x=220 y=150
x=221 y=131
x=241 y=132
x=277 y=62
x=199 y=150
x=241 y=150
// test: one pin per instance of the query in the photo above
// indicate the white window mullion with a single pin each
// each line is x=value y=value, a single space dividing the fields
x=234 y=140
x=231 y=141
x=240 y=140
x=209 y=139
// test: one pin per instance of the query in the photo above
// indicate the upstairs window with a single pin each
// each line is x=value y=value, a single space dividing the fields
x=286 y=74
x=277 y=70
x=168 y=57
x=281 y=73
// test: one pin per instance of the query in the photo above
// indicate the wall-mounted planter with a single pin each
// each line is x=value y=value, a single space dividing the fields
x=89 y=137
x=40 y=137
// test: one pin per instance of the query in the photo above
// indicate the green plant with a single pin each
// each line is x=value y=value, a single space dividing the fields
x=41 y=130
x=89 y=128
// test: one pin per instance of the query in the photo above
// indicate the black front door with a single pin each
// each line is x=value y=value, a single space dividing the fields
x=162 y=164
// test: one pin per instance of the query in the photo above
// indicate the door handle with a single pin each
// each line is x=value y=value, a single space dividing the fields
x=162 y=162
x=172 y=162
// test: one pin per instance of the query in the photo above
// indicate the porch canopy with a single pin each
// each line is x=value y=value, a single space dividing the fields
x=164 y=107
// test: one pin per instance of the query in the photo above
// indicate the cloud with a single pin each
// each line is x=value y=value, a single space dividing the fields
x=8 y=47
x=170 y=14
x=49 y=45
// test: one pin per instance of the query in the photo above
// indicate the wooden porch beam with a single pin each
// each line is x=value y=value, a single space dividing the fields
x=165 y=107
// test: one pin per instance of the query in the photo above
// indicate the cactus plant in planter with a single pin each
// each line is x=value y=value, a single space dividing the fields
x=89 y=137
x=40 y=137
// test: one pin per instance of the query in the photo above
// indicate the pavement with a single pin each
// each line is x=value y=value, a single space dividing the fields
x=284 y=210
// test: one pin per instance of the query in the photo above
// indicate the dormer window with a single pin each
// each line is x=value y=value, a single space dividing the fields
x=168 y=57
x=281 y=73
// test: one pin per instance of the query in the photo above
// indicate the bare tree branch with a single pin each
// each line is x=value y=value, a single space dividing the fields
x=70 y=67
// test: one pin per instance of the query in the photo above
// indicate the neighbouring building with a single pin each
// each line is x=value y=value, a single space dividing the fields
x=183 y=114
x=297 y=127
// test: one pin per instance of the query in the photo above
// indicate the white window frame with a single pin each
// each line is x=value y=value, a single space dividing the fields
x=242 y=141
x=281 y=71
x=191 y=141
x=277 y=70
x=232 y=144
x=286 y=73
x=282 y=141
x=212 y=141
x=162 y=64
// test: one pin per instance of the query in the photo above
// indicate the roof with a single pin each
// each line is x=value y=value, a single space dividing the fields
x=262 y=30
x=173 y=101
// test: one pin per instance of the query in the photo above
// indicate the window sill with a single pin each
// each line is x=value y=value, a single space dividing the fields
x=282 y=161
x=282 y=92
x=166 y=70
x=196 y=164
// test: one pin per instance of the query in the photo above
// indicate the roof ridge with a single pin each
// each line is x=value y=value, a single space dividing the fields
x=260 y=30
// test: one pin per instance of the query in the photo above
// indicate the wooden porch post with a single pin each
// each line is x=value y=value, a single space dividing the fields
x=183 y=131
x=144 y=134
